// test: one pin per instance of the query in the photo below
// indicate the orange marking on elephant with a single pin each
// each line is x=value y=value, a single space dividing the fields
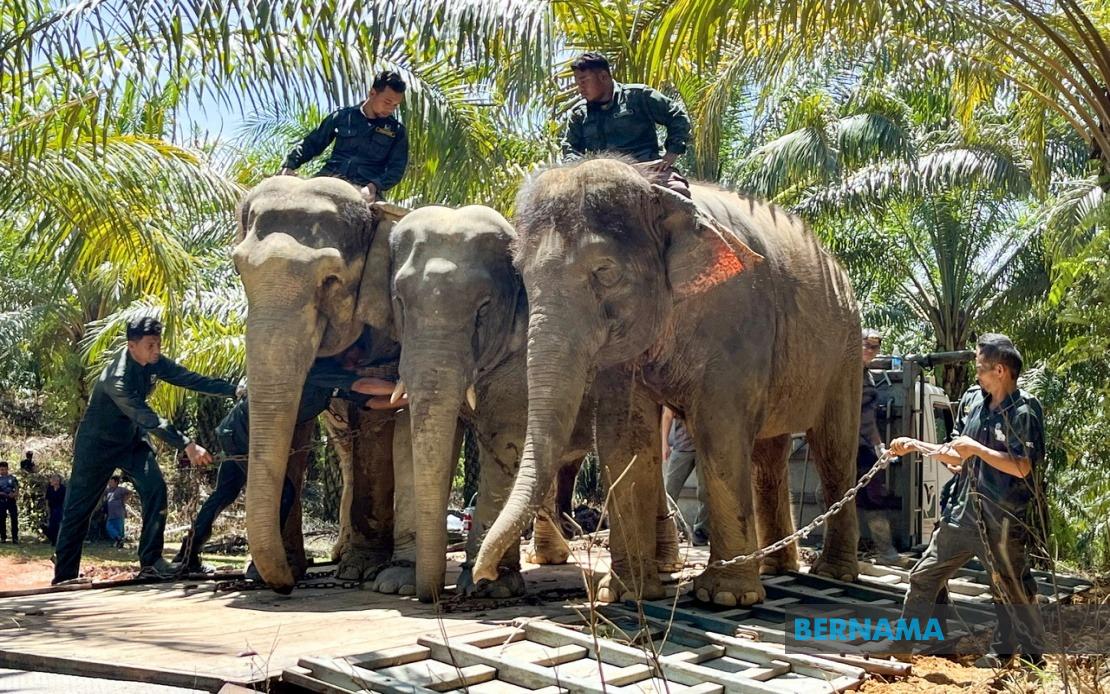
x=724 y=266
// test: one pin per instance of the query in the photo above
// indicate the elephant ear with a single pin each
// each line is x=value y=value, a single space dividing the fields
x=375 y=299
x=701 y=252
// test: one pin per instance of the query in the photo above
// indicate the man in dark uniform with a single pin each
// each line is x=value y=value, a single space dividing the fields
x=873 y=502
x=999 y=444
x=371 y=146
x=622 y=118
x=9 y=503
x=328 y=378
x=115 y=433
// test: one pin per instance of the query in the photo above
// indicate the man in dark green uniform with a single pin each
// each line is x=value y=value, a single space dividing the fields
x=999 y=444
x=114 y=433
x=371 y=146
x=330 y=377
x=622 y=118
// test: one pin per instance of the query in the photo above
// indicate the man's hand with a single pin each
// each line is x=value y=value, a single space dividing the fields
x=381 y=402
x=964 y=447
x=240 y=391
x=198 y=455
x=373 y=386
x=902 y=445
x=954 y=469
x=287 y=172
x=369 y=192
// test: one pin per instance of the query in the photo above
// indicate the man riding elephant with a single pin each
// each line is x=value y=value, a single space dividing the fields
x=371 y=146
x=622 y=118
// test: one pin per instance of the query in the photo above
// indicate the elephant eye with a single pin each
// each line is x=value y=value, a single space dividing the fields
x=607 y=275
x=483 y=309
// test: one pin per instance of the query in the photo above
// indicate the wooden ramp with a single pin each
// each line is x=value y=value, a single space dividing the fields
x=536 y=655
x=186 y=635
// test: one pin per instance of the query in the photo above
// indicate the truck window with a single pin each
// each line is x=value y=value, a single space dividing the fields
x=943 y=421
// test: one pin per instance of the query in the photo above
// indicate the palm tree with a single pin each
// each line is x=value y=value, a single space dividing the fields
x=921 y=210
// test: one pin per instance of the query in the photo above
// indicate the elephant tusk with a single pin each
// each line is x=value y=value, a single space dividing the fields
x=398 y=393
x=472 y=398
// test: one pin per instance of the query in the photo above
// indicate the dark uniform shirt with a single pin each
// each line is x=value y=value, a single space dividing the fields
x=117 y=411
x=626 y=124
x=1017 y=428
x=326 y=379
x=869 y=415
x=367 y=150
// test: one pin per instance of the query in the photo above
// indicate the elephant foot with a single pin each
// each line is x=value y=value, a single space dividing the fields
x=729 y=587
x=360 y=564
x=838 y=565
x=780 y=562
x=398 y=578
x=509 y=584
x=612 y=588
x=548 y=553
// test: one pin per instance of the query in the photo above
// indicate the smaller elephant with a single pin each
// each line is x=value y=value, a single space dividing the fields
x=457 y=306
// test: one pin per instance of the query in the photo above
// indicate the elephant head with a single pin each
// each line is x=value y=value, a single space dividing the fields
x=303 y=250
x=457 y=305
x=606 y=257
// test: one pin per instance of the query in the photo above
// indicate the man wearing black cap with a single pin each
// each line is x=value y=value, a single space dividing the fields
x=622 y=118
x=114 y=433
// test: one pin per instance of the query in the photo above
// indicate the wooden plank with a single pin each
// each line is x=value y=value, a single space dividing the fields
x=518 y=673
x=358 y=679
x=109 y=671
x=619 y=654
x=303 y=677
x=541 y=655
x=699 y=655
x=886 y=668
x=494 y=637
x=389 y=657
x=439 y=676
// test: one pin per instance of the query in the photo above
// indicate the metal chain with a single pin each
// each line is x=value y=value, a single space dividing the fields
x=820 y=520
x=311 y=581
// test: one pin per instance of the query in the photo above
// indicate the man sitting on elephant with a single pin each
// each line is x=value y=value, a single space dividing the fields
x=622 y=118
x=371 y=146
x=330 y=377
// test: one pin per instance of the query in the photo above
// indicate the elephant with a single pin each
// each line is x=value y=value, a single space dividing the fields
x=302 y=253
x=457 y=306
x=729 y=311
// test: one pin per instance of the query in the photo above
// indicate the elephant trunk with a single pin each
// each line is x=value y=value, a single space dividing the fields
x=279 y=355
x=435 y=382
x=558 y=368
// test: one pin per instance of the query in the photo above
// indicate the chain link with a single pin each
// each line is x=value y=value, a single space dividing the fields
x=820 y=520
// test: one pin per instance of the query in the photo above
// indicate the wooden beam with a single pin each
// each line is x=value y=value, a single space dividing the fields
x=358 y=679
x=521 y=674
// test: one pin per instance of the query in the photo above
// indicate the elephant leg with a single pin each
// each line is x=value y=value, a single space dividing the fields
x=629 y=455
x=725 y=448
x=834 y=442
x=668 y=555
x=549 y=545
x=564 y=497
x=340 y=439
x=292 y=533
x=370 y=538
x=499 y=458
x=773 y=520
x=399 y=577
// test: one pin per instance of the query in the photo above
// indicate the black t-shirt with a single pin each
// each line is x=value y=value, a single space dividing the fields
x=1017 y=428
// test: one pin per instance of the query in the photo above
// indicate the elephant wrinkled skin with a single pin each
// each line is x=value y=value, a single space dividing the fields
x=732 y=313
x=302 y=251
x=458 y=308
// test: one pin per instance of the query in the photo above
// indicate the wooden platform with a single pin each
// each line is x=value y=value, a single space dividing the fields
x=186 y=635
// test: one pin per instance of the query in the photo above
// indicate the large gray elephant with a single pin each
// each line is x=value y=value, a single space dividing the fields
x=622 y=272
x=458 y=307
x=302 y=256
